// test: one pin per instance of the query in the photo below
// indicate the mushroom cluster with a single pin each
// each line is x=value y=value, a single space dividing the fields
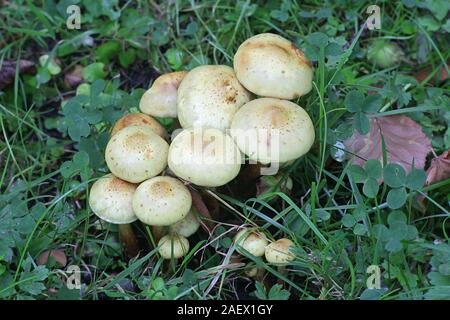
x=255 y=243
x=227 y=114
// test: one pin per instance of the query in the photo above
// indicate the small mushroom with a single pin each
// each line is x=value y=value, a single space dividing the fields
x=278 y=252
x=136 y=153
x=161 y=201
x=209 y=96
x=253 y=242
x=272 y=130
x=173 y=246
x=111 y=200
x=205 y=157
x=139 y=119
x=187 y=226
x=271 y=66
x=161 y=99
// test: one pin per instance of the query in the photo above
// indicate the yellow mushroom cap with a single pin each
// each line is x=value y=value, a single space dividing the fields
x=254 y=242
x=187 y=226
x=272 y=130
x=278 y=252
x=205 y=157
x=272 y=66
x=136 y=153
x=161 y=201
x=173 y=246
x=209 y=96
x=111 y=199
x=161 y=99
x=139 y=119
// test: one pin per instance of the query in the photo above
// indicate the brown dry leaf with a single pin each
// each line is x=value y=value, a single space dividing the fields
x=58 y=255
x=439 y=169
x=442 y=75
x=75 y=77
x=404 y=139
x=8 y=71
x=199 y=205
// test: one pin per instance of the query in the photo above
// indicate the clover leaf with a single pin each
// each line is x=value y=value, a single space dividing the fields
x=358 y=104
x=395 y=177
x=397 y=231
x=367 y=175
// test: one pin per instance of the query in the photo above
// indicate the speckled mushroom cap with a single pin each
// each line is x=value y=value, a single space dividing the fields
x=111 y=199
x=205 y=157
x=278 y=252
x=271 y=66
x=254 y=242
x=161 y=99
x=139 y=119
x=161 y=201
x=272 y=130
x=209 y=96
x=136 y=153
x=173 y=246
x=187 y=226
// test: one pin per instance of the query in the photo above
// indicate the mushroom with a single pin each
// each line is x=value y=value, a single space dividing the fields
x=161 y=201
x=136 y=153
x=111 y=200
x=139 y=119
x=269 y=184
x=271 y=66
x=187 y=226
x=253 y=242
x=173 y=246
x=205 y=157
x=209 y=96
x=161 y=99
x=278 y=252
x=272 y=130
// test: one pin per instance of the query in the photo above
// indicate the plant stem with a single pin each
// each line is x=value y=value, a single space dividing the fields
x=128 y=239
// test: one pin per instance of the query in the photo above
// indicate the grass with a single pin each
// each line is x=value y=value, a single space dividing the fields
x=44 y=186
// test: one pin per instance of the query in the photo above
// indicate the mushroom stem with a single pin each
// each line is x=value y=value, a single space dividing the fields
x=128 y=239
x=157 y=232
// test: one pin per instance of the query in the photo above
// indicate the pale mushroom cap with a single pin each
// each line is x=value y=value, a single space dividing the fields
x=209 y=96
x=254 y=242
x=187 y=226
x=111 y=199
x=136 y=153
x=205 y=157
x=272 y=66
x=272 y=130
x=173 y=246
x=161 y=99
x=139 y=119
x=278 y=252
x=161 y=201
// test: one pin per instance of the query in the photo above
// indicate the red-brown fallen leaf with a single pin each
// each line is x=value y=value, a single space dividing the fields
x=199 y=205
x=404 y=139
x=58 y=255
x=439 y=169
x=75 y=77
x=8 y=71
x=442 y=75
